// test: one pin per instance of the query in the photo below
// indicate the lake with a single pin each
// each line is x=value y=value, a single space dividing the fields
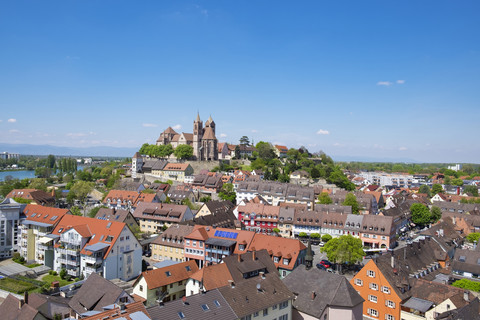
x=23 y=174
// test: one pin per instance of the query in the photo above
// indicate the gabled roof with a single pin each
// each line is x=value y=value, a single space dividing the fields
x=95 y=229
x=95 y=293
x=10 y=309
x=214 y=276
x=288 y=248
x=113 y=195
x=119 y=215
x=176 y=167
x=164 y=276
x=208 y=134
x=245 y=298
x=43 y=214
x=131 y=311
x=329 y=290
x=238 y=266
x=38 y=196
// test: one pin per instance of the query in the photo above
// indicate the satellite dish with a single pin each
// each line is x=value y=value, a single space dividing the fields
x=258 y=286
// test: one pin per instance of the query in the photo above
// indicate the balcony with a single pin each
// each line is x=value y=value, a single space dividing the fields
x=94 y=268
x=92 y=259
x=73 y=272
x=218 y=251
x=70 y=251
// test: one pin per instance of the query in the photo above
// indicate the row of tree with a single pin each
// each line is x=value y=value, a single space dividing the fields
x=182 y=151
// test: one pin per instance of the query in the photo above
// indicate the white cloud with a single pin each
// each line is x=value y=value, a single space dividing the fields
x=400 y=81
x=384 y=83
x=149 y=125
x=1 y=120
x=12 y=120
x=14 y=131
x=254 y=131
x=336 y=144
x=402 y=148
x=323 y=132
x=177 y=127
x=76 y=134
x=223 y=135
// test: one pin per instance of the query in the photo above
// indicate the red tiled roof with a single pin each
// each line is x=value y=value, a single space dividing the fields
x=159 y=277
x=113 y=195
x=43 y=214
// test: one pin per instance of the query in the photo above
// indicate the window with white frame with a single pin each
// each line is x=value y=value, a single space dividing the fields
x=372 y=298
x=385 y=289
x=359 y=282
x=390 y=304
x=389 y=317
x=373 y=312
x=373 y=286
x=371 y=273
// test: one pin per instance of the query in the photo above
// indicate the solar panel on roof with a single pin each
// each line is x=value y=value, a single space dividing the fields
x=216 y=233
x=235 y=235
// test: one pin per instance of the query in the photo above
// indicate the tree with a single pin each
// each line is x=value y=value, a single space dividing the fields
x=50 y=161
x=315 y=235
x=42 y=172
x=276 y=230
x=227 y=193
x=351 y=200
x=473 y=190
x=326 y=238
x=467 y=284
x=183 y=151
x=473 y=237
x=38 y=183
x=265 y=151
x=435 y=214
x=82 y=189
x=436 y=188
x=457 y=182
x=420 y=214
x=324 y=198
x=244 y=141
x=424 y=189
x=63 y=273
x=303 y=235
x=75 y=211
x=344 y=249
x=237 y=152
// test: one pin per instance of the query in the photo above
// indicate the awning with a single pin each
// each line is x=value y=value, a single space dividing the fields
x=44 y=240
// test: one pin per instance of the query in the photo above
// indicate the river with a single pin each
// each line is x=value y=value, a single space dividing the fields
x=23 y=174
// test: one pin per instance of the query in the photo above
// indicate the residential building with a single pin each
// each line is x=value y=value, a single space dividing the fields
x=388 y=179
x=118 y=215
x=152 y=217
x=170 y=244
x=285 y=221
x=121 y=199
x=275 y=193
x=453 y=207
x=429 y=299
x=466 y=263
x=208 y=278
x=7 y=155
x=386 y=281
x=137 y=164
x=95 y=294
x=129 y=311
x=210 y=305
x=33 y=196
x=280 y=151
x=367 y=202
x=287 y=254
x=264 y=297
x=323 y=295
x=87 y=245
x=164 y=284
x=178 y=196
x=175 y=171
x=214 y=206
x=10 y=214
x=208 y=183
x=35 y=230
x=14 y=308
x=258 y=217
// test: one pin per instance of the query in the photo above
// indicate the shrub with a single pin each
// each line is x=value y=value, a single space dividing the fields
x=326 y=238
x=467 y=284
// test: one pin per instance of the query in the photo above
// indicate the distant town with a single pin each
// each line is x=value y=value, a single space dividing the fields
x=194 y=228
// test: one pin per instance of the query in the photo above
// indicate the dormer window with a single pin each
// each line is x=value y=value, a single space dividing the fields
x=286 y=261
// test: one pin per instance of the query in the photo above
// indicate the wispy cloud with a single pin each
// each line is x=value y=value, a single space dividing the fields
x=402 y=148
x=202 y=11
x=400 y=81
x=14 y=131
x=254 y=131
x=149 y=125
x=323 y=132
x=384 y=83
x=223 y=135
x=177 y=127
x=76 y=134
x=12 y=120
x=336 y=144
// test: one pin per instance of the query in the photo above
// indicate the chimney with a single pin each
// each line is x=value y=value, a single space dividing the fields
x=254 y=255
x=392 y=261
x=232 y=284
x=262 y=274
x=184 y=300
x=465 y=296
x=25 y=297
x=239 y=258
x=313 y=295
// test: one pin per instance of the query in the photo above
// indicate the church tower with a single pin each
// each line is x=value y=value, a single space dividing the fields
x=197 y=137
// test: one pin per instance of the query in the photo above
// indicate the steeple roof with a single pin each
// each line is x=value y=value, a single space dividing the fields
x=198 y=117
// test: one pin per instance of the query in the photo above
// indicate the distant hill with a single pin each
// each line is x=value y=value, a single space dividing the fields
x=372 y=159
x=30 y=149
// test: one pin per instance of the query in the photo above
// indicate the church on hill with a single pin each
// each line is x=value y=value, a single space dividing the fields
x=203 y=139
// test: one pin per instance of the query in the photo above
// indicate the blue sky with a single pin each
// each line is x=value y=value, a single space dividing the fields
x=376 y=79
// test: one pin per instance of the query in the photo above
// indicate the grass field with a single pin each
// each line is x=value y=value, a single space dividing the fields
x=16 y=286
x=49 y=279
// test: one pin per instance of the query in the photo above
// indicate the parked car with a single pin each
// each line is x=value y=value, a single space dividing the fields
x=322 y=267
x=326 y=263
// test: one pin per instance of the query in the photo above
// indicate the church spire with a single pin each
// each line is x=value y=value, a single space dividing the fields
x=198 y=117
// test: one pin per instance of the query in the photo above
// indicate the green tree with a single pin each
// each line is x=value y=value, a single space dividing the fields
x=473 y=237
x=420 y=214
x=345 y=249
x=351 y=200
x=50 y=161
x=265 y=151
x=457 y=182
x=76 y=211
x=467 y=284
x=244 y=141
x=183 y=152
x=424 y=189
x=42 y=172
x=237 y=152
x=437 y=188
x=326 y=238
x=276 y=230
x=227 y=193
x=324 y=198
x=63 y=273
x=38 y=183
x=315 y=235
x=82 y=189
x=473 y=190
x=435 y=214
x=303 y=235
